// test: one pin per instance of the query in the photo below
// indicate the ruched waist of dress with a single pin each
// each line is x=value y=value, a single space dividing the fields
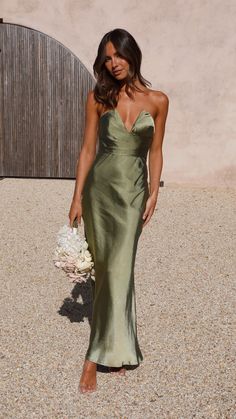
x=123 y=151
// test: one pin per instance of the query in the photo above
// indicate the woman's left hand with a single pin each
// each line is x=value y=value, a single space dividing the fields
x=149 y=210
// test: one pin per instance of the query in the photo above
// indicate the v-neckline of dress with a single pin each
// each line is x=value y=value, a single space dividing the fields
x=121 y=120
x=134 y=123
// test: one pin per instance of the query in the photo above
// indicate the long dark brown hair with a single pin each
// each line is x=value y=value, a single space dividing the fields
x=107 y=87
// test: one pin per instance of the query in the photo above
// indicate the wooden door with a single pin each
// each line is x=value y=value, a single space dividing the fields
x=43 y=89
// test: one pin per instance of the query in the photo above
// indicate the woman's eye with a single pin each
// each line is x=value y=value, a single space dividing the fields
x=117 y=55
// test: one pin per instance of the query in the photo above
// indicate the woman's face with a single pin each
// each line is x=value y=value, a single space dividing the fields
x=115 y=63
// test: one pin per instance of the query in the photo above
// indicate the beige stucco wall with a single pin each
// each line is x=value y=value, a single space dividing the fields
x=188 y=53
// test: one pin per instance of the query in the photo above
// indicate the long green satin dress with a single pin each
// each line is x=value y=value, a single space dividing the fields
x=113 y=201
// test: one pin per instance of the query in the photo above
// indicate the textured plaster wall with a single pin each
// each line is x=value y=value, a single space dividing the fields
x=188 y=52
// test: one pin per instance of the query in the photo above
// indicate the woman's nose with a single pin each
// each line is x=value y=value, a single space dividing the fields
x=114 y=62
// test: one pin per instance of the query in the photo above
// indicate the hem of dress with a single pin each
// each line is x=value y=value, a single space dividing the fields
x=105 y=364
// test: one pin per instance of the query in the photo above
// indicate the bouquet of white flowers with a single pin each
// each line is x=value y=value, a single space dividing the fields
x=72 y=254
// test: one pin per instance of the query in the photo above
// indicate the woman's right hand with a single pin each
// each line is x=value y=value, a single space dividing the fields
x=75 y=211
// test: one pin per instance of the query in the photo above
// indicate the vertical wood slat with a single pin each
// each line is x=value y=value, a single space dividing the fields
x=43 y=89
x=1 y=109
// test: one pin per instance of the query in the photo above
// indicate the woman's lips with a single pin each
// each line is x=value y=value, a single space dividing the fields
x=117 y=72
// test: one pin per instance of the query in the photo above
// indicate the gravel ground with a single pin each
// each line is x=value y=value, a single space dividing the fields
x=185 y=293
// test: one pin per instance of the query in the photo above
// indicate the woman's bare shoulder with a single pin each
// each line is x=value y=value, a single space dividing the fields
x=160 y=101
x=158 y=96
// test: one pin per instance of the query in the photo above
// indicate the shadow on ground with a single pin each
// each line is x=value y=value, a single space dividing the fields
x=75 y=310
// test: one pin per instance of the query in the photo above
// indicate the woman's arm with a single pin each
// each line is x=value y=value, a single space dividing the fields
x=86 y=157
x=155 y=161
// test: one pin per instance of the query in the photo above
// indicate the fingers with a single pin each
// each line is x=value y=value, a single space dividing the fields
x=71 y=222
x=72 y=219
x=147 y=211
x=144 y=215
x=75 y=213
x=146 y=221
x=147 y=216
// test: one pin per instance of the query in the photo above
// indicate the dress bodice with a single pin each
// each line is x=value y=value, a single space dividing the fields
x=114 y=137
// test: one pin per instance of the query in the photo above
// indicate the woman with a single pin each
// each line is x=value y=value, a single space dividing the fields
x=113 y=196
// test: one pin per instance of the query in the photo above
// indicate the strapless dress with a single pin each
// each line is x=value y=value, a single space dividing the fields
x=113 y=202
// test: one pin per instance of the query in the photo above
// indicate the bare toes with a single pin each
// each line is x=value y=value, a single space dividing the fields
x=87 y=389
x=117 y=370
